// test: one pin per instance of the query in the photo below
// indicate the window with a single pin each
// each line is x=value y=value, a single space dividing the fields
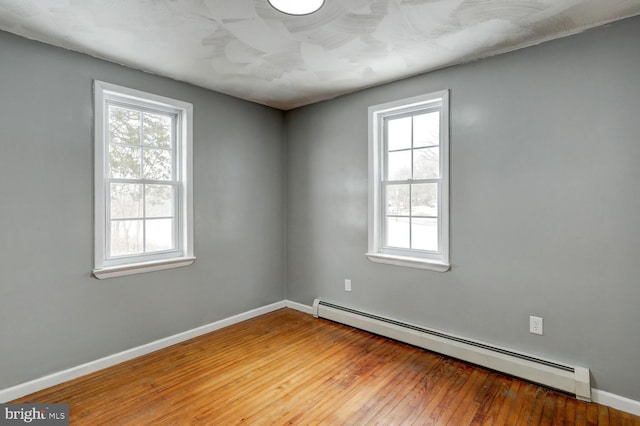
x=409 y=182
x=143 y=194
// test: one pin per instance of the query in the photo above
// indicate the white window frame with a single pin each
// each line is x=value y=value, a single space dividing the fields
x=435 y=261
x=183 y=255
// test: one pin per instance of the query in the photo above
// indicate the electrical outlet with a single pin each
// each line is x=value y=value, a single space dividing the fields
x=347 y=285
x=535 y=325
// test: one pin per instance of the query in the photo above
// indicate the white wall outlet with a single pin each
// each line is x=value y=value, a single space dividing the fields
x=347 y=285
x=535 y=325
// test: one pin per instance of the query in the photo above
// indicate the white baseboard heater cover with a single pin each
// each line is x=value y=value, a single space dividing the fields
x=571 y=379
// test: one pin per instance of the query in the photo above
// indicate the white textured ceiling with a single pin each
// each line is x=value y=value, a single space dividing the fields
x=247 y=49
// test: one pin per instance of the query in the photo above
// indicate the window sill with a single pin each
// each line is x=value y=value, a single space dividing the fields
x=140 y=268
x=409 y=262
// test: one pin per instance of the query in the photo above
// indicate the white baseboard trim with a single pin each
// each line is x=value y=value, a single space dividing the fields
x=18 y=391
x=9 y=394
x=299 y=307
x=616 y=401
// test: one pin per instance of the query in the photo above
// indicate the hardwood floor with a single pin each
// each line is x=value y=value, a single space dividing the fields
x=289 y=368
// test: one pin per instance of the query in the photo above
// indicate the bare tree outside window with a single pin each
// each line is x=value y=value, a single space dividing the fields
x=141 y=164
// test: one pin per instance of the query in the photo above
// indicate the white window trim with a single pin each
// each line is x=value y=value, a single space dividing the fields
x=102 y=269
x=439 y=263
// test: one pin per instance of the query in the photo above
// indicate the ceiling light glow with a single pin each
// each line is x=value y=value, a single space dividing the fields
x=297 y=7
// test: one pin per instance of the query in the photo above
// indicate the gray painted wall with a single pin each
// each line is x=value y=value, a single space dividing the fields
x=544 y=208
x=53 y=314
x=544 y=204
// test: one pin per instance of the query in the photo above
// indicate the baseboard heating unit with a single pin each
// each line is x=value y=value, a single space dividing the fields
x=571 y=379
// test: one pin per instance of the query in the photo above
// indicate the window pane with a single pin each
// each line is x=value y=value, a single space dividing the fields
x=159 y=201
x=124 y=162
x=424 y=234
x=399 y=165
x=426 y=129
x=426 y=163
x=126 y=237
x=157 y=130
x=124 y=125
x=397 y=230
x=126 y=201
x=424 y=199
x=159 y=234
x=399 y=133
x=397 y=198
x=157 y=164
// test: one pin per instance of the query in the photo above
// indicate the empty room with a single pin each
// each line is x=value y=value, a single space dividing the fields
x=320 y=212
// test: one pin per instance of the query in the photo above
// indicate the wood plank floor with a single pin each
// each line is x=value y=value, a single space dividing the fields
x=289 y=368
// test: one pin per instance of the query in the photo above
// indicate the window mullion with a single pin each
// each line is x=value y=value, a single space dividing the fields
x=176 y=170
x=144 y=218
x=141 y=145
x=431 y=180
x=120 y=219
x=410 y=216
x=143 y=181
x=175 y=149
x=411 y=189
x=400 y=182
x=439 y=218
x=107 y=213
x=144 y=185
x=382 y=194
